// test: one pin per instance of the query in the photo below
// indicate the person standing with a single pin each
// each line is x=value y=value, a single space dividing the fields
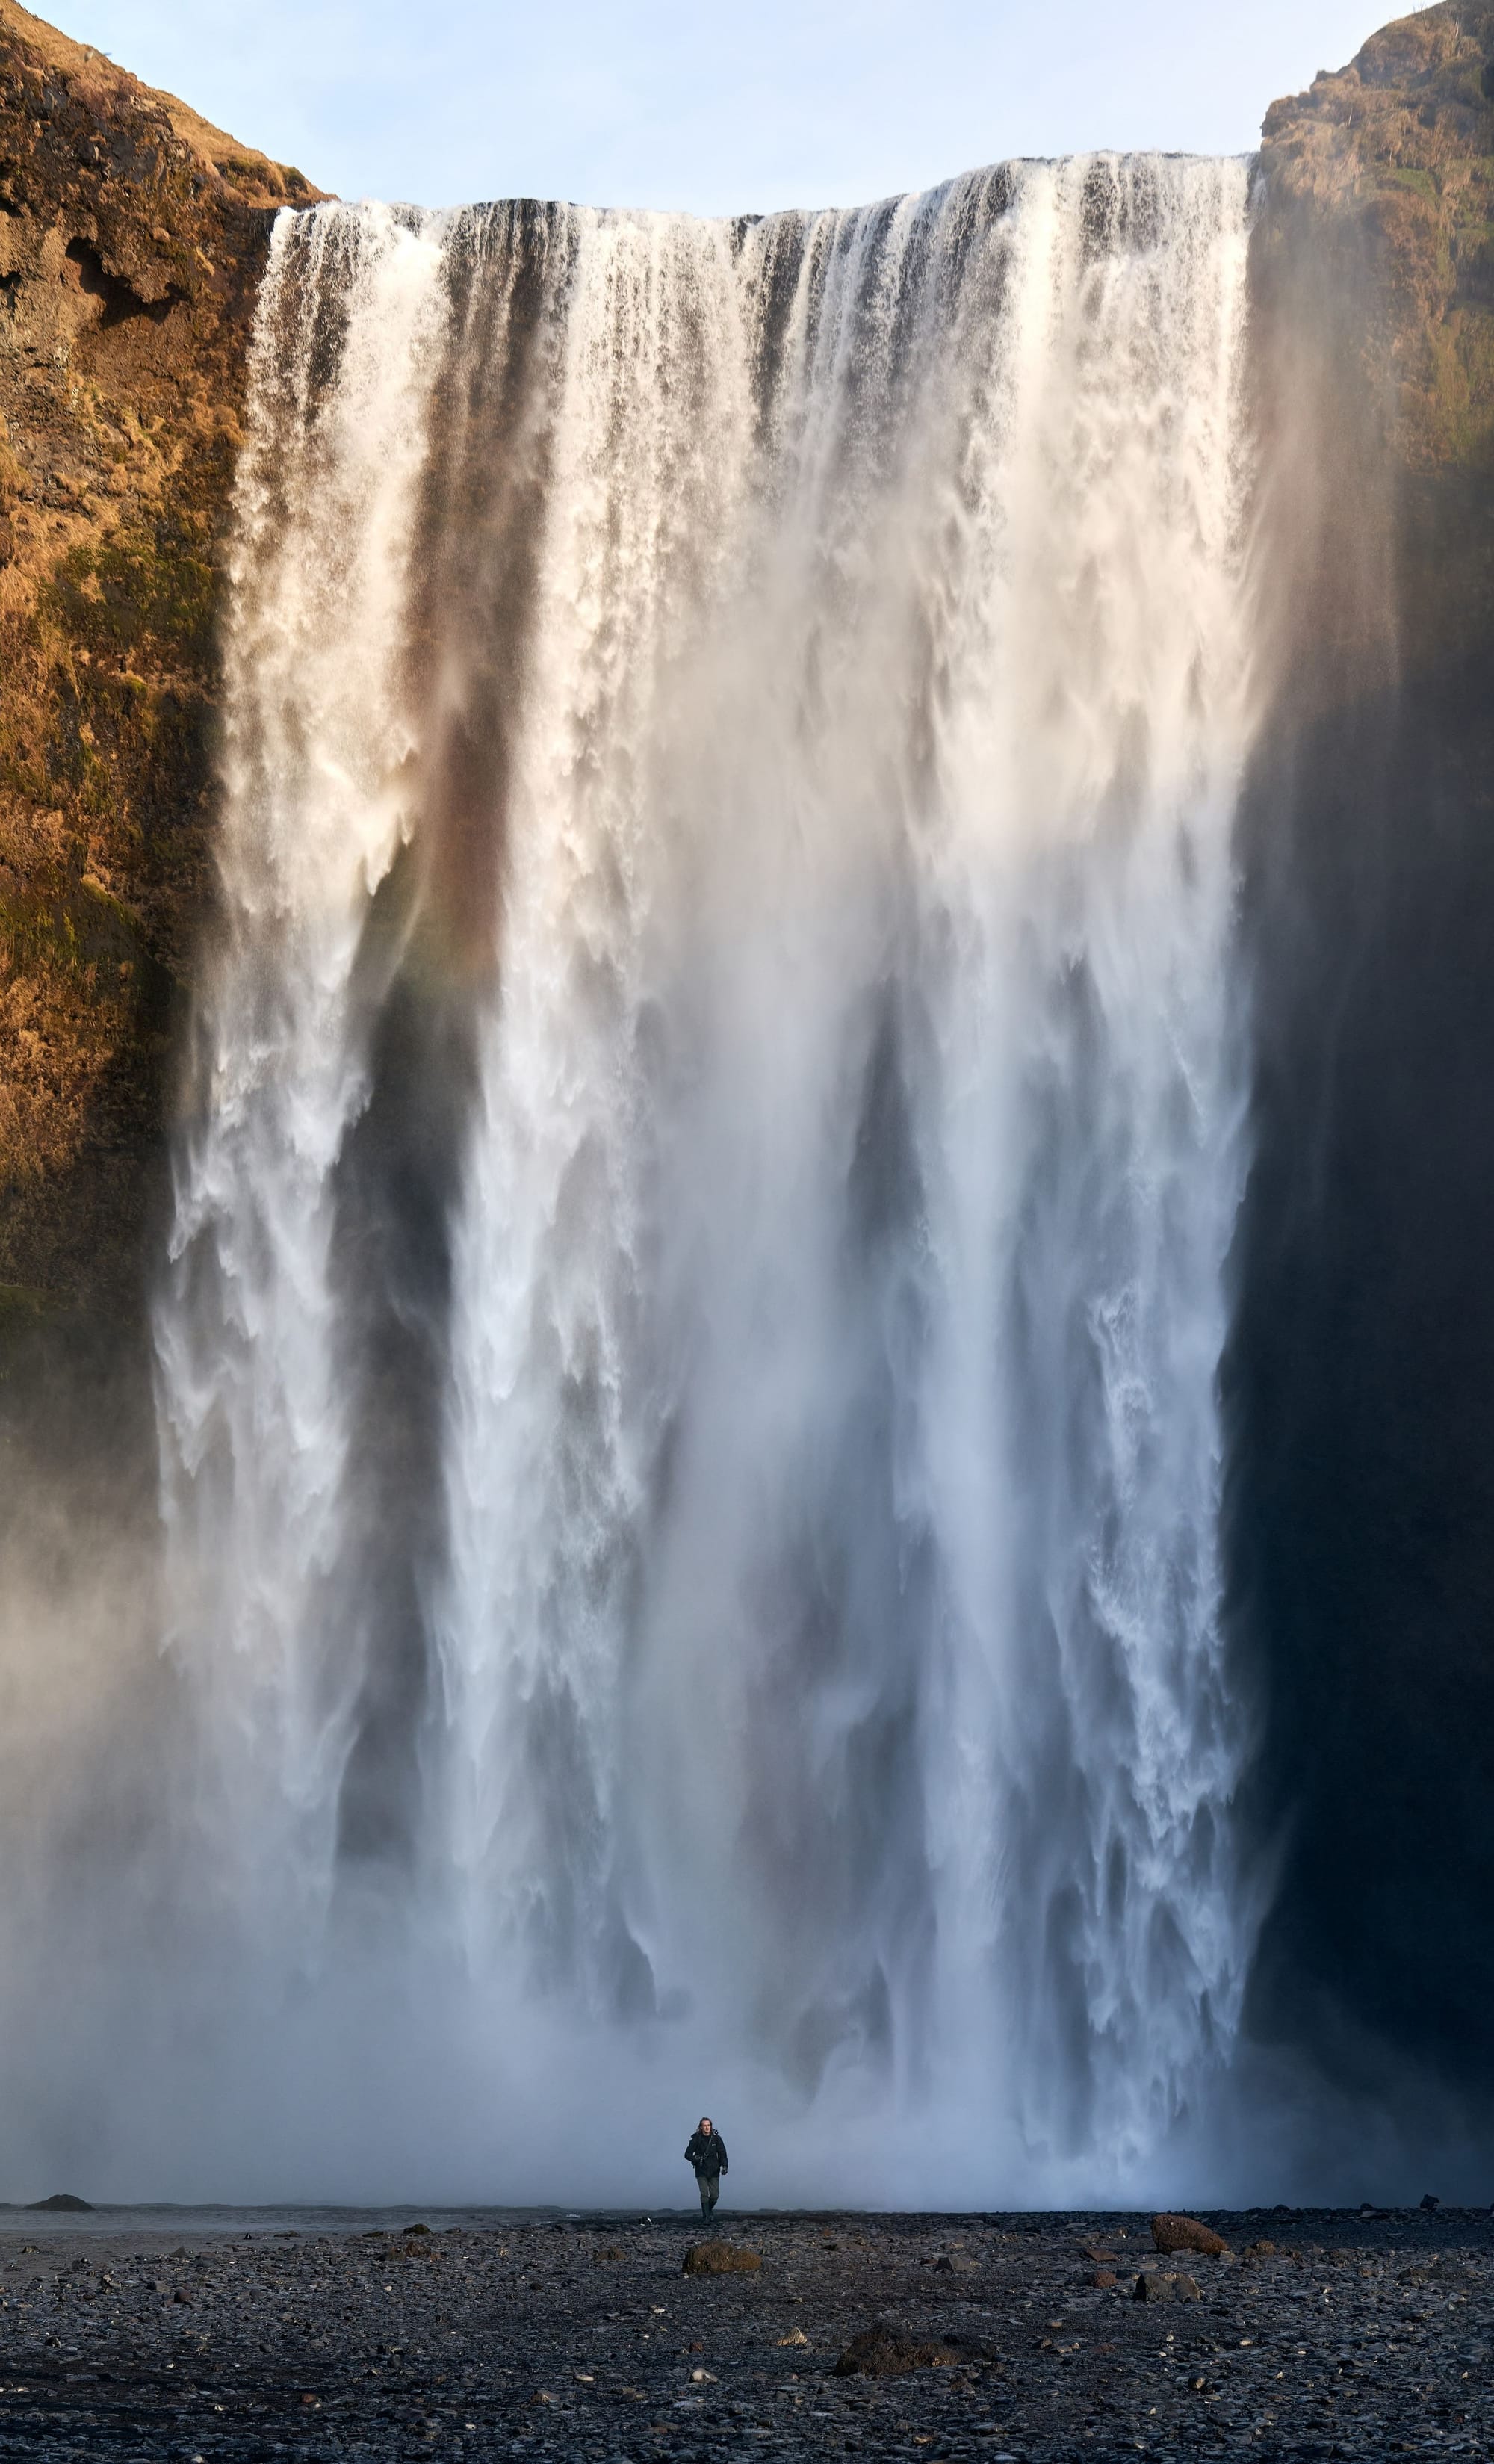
x=706 y=2152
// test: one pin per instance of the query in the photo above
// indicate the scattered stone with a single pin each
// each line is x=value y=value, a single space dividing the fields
x=1102 y=2279
x=1259 y=2250
x=1429 y=2205
x=957 y=2266
x=612 y=2257
x=721 y=2258
x=1154 y=2284
x=413 y=2345
x=1186 y=2233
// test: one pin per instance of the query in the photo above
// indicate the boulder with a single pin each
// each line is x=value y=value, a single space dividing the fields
x=721 y=2258
x=882 y=2352
x=1186 y=2233
x=1154 y=2284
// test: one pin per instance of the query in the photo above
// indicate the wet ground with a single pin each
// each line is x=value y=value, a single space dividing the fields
x=1356 y=2335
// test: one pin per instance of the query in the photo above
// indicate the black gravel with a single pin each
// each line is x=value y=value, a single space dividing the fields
x=1358 y=2335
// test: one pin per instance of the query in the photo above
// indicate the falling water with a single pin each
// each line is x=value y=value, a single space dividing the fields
x=688 y=1372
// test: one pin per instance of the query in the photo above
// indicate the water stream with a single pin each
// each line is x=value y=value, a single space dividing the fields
x=688 y=1365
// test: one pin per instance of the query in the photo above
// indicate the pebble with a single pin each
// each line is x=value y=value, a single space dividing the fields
x=1363 y=2335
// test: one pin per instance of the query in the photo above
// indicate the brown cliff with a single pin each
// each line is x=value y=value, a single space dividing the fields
x=1377 y=237
x=131 y=237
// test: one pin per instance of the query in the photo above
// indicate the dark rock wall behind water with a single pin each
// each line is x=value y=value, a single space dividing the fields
x=1362 y=1364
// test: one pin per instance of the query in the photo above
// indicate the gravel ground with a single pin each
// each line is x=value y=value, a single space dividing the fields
x=1357 y=2335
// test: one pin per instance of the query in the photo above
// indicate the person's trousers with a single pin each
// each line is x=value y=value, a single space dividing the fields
x=710 y=2186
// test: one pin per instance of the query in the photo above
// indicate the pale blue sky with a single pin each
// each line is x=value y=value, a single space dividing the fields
x=666 y=103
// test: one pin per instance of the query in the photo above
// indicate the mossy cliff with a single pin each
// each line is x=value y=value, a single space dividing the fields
x=131 y=239
x=1377 y=236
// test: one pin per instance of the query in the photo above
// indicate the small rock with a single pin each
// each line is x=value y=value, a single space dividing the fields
x=1429 y=2203
x=795 y=2336
x=1155 y=2285
x=703 y=2378
x=957 y=2266
x=1102 y=2279
x=1186 y=2233
x=1259 y=2250
x=721 y=2258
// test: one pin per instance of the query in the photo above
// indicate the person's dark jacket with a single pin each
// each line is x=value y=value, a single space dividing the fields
x=707 y=2155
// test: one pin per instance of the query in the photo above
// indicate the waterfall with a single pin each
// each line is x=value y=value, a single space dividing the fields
x=688 y=1365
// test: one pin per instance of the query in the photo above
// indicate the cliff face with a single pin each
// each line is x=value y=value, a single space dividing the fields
x=1362 y=1484
x=1379 y=186
x=131 y=238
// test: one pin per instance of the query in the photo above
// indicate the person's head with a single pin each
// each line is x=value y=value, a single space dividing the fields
x=705 y=2124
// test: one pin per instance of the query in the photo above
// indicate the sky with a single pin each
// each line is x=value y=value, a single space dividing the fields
x=713 y=110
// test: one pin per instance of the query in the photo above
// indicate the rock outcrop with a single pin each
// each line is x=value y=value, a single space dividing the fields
x=1361 y=1489
x=1379 y=186
x=131 y=238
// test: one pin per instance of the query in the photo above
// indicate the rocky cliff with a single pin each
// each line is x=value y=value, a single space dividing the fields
x=131 y=238
x=1379 y=210
x=1361 y=1487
